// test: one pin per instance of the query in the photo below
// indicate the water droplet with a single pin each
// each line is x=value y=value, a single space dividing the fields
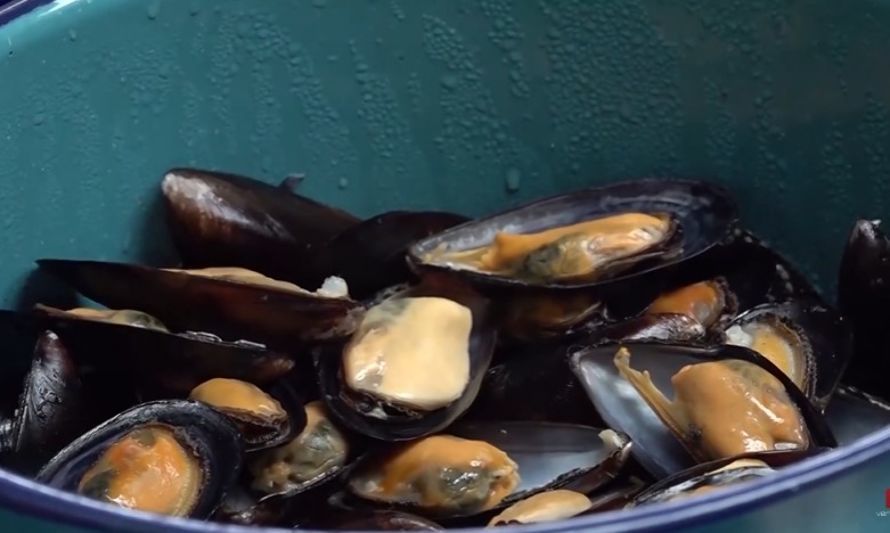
x=512 y=179
x=72 y=34
x=363 y=77
x=194 y=9
x=343 y=183
x=154 y=9
x=449 y=81
x=319 y=3
x=38 y=119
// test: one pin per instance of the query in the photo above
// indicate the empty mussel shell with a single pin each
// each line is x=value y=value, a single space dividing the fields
x=639 y=226
x=232 y=303
x=265 y=420
x=809 y=341
x=370 y=255
x=223 y=219
x=171 y=457
x=853 y=414
x=150 y=355
x=50 y=412
x=415 y=363
x=719 y=473
x=663 y=443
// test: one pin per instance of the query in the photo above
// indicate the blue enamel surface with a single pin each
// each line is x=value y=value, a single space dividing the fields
x=469 y=105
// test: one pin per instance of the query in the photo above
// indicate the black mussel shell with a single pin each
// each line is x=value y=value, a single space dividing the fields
x=703 y=211
x=709 y=475
x=534 y=315
x=176 y=361
x=224 y=219
x=551 y=455
x=853 y=414
x=370 y=256
x=240 y=507
x=377 y=519
x=656 y=447
x=820 y=334
x=754 y=273
x=205 y=433
x=379 y=420
x=533 y=382
x=50 y=410
x=260 y=432
x=864 y=298
x=231 y=309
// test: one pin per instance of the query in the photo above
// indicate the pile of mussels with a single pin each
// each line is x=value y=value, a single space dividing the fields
x=609 y=348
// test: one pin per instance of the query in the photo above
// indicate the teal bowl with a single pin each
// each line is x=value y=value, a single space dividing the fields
x=463 y=105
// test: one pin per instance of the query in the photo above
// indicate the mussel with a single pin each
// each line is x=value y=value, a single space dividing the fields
x=50 y=413
x=584 y=238
x=223 y=219
x=319 y=453
x=414 y=364
x=136 y=345
x=170 y=457
x=863 y=295
x=260 y=417
x=232 y=303
x=728 y=400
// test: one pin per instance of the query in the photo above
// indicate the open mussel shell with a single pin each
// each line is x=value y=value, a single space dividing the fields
x=863 y=296
x=50 y=409
x=809 y=341
x=232 y=306
x=175 y=361
x=853 y=414
x=370 y=256
x=197 y=450
x=265 y=420
x=385 y=419
x=547 y=506
x=719 y=473
x=657 y=448
x=319 y=454
x=224 y=219
x=552 y=455
x=376 y=520
x=702 y=214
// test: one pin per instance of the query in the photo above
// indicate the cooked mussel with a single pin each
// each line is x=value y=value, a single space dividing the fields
x=232 y=303
x=442 y=475
x=707 y=302
x=223 y=219
x=319 y=453
x=262 y=419
x=50 y=413
x=808 y=341
x=546 y=506
x=414 y=364
x=534 y=315
x=133 y=344
x=170 y=457
x=584 y=238
x=728 y=400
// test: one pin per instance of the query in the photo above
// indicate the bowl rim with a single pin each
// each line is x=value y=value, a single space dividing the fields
x=12 y=9
x=35 y=500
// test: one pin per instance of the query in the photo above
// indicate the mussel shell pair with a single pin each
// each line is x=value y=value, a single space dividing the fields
x=702 y=211
x=374 y=418
x=233 y=310
x=223 y=219
x=656 y=447
x=175 y=361
x=207 y=436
